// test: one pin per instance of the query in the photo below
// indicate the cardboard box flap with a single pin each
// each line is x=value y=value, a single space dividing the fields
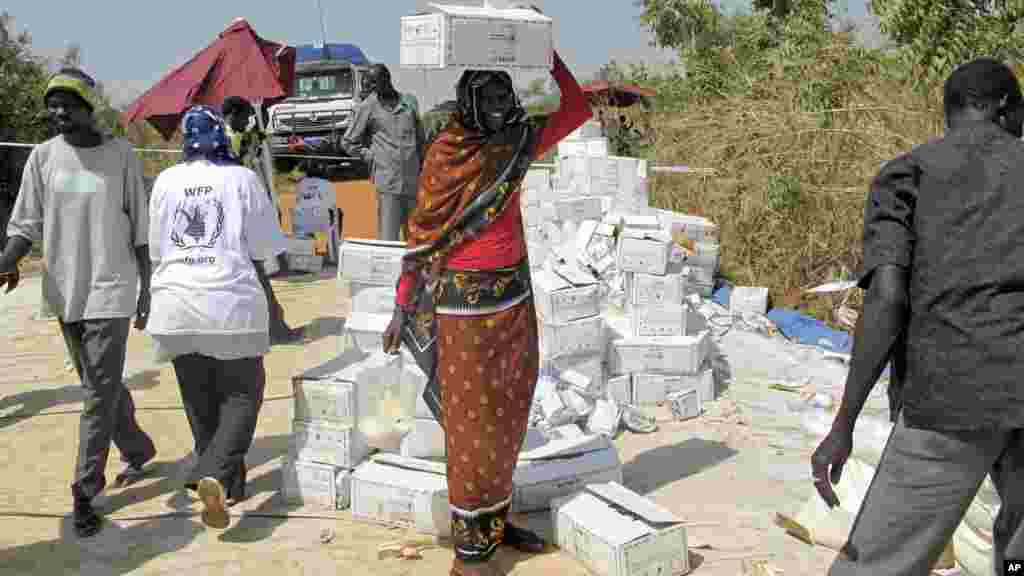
x=573 y=275
x=368 y=322
x=629 y=503
x=329 y=369
x=604 y=521
x=550 y=281
x=646 y=234
x=414 y=480
x=376 y=361
x=406 y=463
x=566 y=447
x=522 y=14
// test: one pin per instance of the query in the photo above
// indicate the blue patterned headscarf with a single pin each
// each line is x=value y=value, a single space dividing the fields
x=205 y=136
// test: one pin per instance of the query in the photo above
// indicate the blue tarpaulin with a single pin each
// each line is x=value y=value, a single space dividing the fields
x=345 y=52
x=797 y=326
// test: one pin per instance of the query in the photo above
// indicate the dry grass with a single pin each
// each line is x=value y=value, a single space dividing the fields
x=790 y=185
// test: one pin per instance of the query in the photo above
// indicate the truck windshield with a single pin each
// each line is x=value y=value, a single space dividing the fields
x=321 y=84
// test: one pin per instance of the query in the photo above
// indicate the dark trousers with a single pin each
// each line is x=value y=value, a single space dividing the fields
x=924 y=484
x=393 y=210
x=222 y=401
x=97 y=349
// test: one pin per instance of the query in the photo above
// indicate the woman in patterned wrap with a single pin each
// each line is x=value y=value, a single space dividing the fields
x=467 y=262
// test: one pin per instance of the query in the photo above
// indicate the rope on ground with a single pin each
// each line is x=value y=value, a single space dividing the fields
x=161 y=515
x=137 y=409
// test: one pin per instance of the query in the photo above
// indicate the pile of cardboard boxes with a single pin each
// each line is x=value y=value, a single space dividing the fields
x=614 y=284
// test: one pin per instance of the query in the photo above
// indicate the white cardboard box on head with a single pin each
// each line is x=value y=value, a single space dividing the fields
x=577 y=338
x=616 y=532
x=665 y=355
x=316 y=485
x=377 y=262
x=562 y=299
x=399 y=496
x=477 y=37
x=537 y=482
x=327 y=443
x=644 y=251
x=663 y=319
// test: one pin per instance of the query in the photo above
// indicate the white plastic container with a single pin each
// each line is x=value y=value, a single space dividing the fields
x=477 y=37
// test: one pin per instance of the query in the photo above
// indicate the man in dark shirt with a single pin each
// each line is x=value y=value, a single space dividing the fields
x=944 y=273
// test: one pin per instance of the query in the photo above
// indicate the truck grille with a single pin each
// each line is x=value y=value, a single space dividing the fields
x=305 y=122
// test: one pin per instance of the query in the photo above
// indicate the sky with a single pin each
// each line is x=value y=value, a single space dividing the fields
x=128 y=47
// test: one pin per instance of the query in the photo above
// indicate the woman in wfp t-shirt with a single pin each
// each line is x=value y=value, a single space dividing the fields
x=211 y=225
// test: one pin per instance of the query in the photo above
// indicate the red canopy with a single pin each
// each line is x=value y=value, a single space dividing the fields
x=238 y=63
x=621 y=95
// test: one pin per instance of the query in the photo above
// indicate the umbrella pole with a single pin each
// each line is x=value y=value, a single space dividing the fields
x=267 y=156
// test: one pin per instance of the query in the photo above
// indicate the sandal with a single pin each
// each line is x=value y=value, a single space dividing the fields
x=87 y=522
x=523 y=540
x=215 y=512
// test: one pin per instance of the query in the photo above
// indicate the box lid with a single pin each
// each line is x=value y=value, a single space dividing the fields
x=407 y=463
x=329 y=369
x=413 y=480
x=567 y=446
x=520 y=14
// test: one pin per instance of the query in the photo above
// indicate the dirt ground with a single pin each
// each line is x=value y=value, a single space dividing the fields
x=723 y=473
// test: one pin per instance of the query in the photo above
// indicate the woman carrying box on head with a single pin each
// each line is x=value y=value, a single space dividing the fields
x=467 y=256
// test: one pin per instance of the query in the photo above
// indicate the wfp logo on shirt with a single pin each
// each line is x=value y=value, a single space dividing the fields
x=198 y=222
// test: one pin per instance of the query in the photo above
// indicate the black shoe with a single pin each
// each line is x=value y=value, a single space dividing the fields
x=523 y=540
x=87 y=522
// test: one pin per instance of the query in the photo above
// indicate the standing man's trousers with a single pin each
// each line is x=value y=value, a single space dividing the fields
x=924 y=484
x=392 y=212
x=97 y=349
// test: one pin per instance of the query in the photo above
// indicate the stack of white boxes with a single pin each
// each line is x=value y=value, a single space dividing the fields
x=325 y=445
x=700 y=237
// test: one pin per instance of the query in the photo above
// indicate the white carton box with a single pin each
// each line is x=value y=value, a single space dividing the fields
x=748 y=300
x=660 y=319
x=367 y=330
x=376 y=262
x=590 y=129
x=664 y=355
x=605 y=418
x=685 y=404
x=318 y=485
x=578 y=209
x=563 y=298
x=300 y=246
x=655 y=388
x=385 y=401
x=323 y=400
x=646 y=289
x=425 y=440
x=694 y=228
x=477 y=37
x=641 y=222
x=588 y=366
x=631 y=184
x=703 y=382
x=620 y=388
x=309 y=263
x=319 y=396
x=373 y=299
x=414 y=378
x=400 y=496
x=583 y=147
x=616 y=532
x=539 y=481
x=644 y=251
x=326 y=443
x=576 y=338
x=537 y=187
x=595 y=242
